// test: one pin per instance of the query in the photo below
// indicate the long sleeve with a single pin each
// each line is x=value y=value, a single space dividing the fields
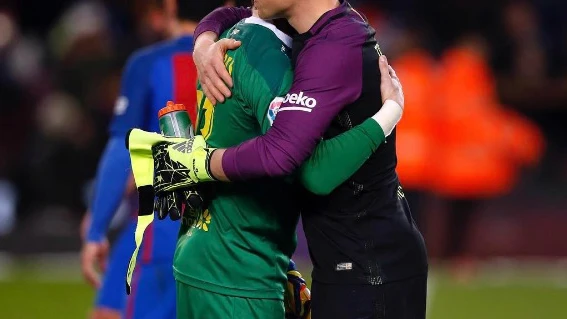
x=334 y=160
x=112 y=177
x=324 y=84
x=337 y=159
x=222 y=19
x=114 y=167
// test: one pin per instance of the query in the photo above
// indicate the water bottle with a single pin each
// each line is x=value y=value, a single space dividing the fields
x=174 y=121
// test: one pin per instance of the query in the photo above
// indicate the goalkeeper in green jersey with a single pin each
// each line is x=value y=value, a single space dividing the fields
x=232 y=262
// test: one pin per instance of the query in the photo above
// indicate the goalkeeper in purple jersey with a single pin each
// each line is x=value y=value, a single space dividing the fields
x=368 y=255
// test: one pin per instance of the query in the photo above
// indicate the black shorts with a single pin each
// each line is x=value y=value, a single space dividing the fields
x=367 y=239
x=403 y=299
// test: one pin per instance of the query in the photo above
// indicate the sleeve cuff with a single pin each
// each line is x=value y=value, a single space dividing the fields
x=374 y=131
x=388 y=116
x=205 y=27
x=229 y=164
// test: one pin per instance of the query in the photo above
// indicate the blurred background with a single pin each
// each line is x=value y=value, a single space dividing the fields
x=482 y=146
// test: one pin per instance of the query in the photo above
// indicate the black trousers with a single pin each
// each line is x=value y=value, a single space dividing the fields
x=405 y=299
x=461 y=214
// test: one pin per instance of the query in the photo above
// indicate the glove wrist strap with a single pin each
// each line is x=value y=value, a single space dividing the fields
x=211 y=151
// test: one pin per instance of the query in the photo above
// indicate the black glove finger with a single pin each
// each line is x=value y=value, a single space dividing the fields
x=169 y=204
x=193 y=199
x=175 y=205
x=161 y=206
x=157 y=203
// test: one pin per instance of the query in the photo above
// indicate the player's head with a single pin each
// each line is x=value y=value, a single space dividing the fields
x=270 y=9
x=195 y=10
x=281 y=24
x=182 y=16
x=190 y=10
x=242 y=3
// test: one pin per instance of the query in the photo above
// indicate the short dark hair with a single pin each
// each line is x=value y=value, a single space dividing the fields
x=195 y=10
x=243 y=3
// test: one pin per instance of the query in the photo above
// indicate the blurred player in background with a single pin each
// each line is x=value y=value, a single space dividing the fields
x=152 y=76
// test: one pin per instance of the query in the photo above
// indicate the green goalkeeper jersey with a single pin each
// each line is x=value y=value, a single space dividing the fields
x=242 y=243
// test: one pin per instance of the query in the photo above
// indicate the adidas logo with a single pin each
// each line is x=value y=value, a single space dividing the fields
x=184 y=147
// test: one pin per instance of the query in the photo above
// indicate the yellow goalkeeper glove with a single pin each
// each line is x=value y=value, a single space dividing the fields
x=151 y=162
x=181 y=164
x=297 y=297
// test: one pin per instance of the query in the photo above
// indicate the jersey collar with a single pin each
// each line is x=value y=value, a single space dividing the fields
x=286 y=39
x=343 y=8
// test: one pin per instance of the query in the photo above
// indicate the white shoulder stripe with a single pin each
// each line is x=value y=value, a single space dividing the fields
x=286 y=39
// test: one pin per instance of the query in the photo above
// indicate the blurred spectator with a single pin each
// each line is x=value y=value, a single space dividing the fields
x=416 y=69
x=59 y=159
x=480 y=159
x=58 y=94
x=524 y=60
x=530 y=54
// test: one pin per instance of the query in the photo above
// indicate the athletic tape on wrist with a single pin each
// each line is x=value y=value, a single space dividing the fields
x=389 y=116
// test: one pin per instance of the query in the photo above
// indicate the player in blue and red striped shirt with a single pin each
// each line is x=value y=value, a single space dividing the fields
x=152 y=76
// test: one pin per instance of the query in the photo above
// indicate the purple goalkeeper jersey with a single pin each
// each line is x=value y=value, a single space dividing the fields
x=328 y=77
x=363 y=232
